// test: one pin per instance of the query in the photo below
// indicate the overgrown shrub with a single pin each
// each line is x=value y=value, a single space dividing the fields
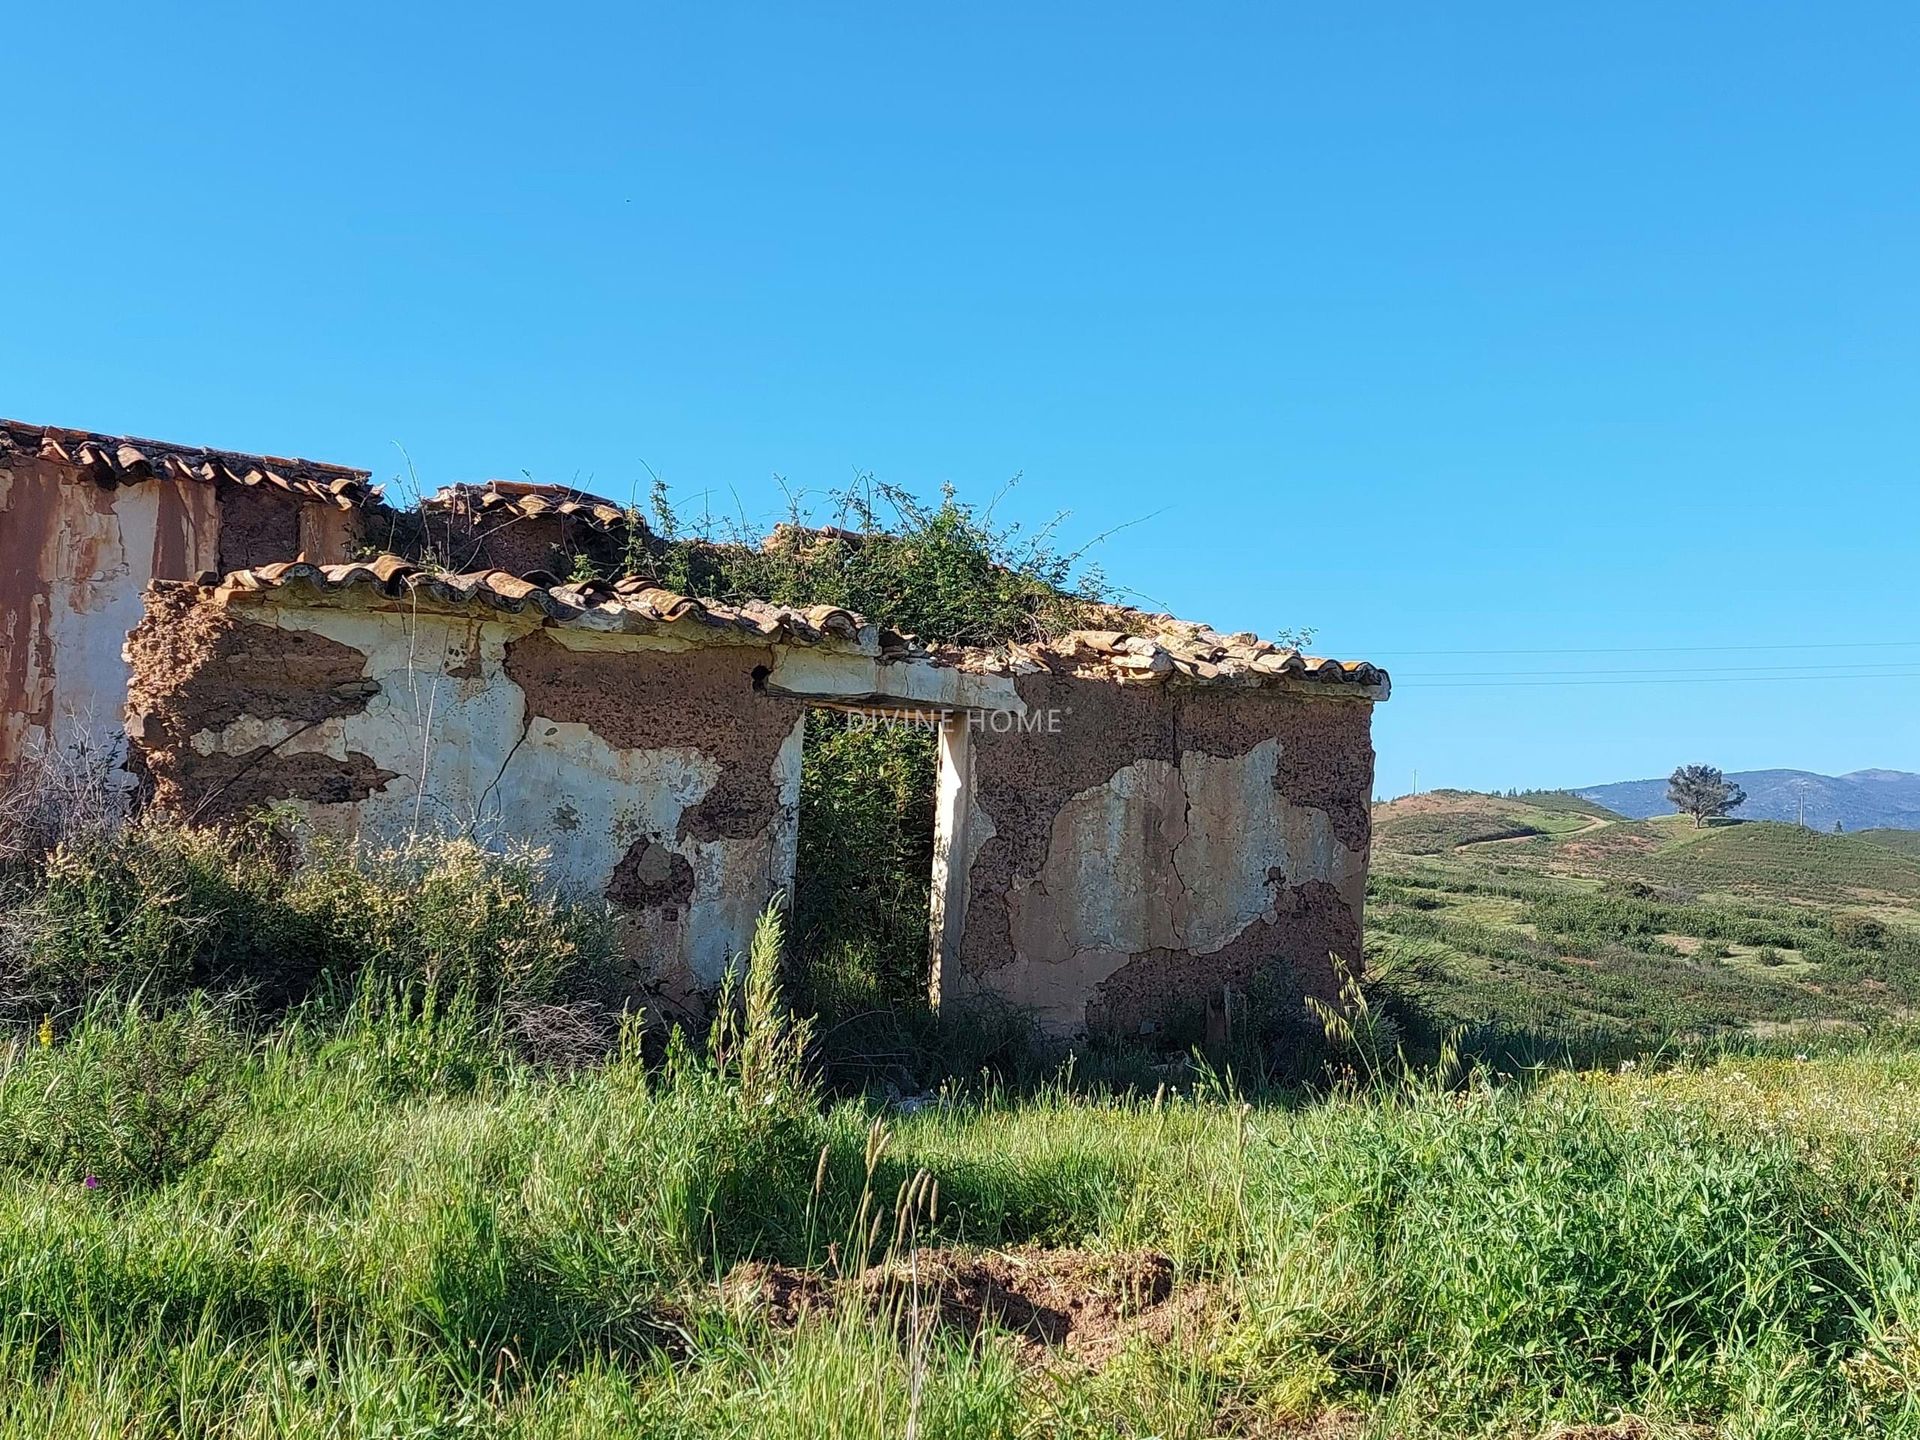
x=945 y=572
x=451 y=917
x=136 y=1098
x=160 y=909
x=157 y=909
x=1862 y=932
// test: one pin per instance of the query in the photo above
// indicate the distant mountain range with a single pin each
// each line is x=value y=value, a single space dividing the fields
x=1861 y=800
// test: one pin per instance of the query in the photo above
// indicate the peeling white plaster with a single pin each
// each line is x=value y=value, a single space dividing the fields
x=785 y=857
x=493 y=770
x=1107 y=894
x=961 y=826
x=90 y=607
x=1105 y=884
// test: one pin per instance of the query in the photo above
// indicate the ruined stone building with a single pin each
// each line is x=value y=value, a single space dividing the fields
x=1127 y=820
x=86 y=521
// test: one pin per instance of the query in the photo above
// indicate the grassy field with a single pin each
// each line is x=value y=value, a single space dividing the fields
x=352 y=1157
x=394 y=1226
x=1601 y=938
x=1440 y=820
x=1907 y=842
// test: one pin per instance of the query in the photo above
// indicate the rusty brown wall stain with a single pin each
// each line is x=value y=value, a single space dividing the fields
x=186 y=536
x=258 y=526
x=89 y=548
x=701 y=700
x=29 y=527
x=63 y=551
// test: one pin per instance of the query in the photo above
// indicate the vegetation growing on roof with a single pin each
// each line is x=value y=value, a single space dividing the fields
x=945 y=572
x=948 y=573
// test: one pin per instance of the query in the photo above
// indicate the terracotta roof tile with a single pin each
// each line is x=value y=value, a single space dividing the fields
x=114 y=460
x=632 y=604
x=506 y=500
x=1159 y=647
x=1153 y=649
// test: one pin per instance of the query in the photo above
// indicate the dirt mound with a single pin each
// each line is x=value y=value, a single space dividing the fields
x=1085 y=1306
x=784 y=1295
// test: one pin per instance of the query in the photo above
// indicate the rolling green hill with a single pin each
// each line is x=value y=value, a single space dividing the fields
x=1907 y=842
x=1786 y=860
x=1566 y=929
x=1442 y=820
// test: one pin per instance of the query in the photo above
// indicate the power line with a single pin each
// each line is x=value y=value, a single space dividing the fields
x=1675 y=649
x=1755 y=670
x=1668 y=680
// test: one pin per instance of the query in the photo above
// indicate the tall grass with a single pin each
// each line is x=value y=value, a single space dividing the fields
x=507 y=1251
x=368 y=1209
x=163 y=910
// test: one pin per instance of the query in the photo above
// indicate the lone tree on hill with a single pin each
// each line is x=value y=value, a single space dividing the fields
x=1704 y=793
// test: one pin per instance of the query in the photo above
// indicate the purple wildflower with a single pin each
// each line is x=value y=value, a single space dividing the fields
x=92 y=1182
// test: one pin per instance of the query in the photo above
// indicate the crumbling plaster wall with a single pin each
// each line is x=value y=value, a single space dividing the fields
x=1133 y=848
x=1108 y=853
x=75 y=557
x=655 y=772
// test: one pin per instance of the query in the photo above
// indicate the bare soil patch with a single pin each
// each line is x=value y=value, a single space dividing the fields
x=1084 y=1306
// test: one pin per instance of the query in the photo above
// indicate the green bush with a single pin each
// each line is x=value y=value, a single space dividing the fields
x=161 y=910
x=452 y=917
x=134 y=1098
x=1861 y=932
x=944 y=572
x=865 y=864
x=158 y=908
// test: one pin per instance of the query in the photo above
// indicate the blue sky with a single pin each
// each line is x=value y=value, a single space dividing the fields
x=1476 y=329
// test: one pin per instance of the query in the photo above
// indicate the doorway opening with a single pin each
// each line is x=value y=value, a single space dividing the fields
x=863 y=882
